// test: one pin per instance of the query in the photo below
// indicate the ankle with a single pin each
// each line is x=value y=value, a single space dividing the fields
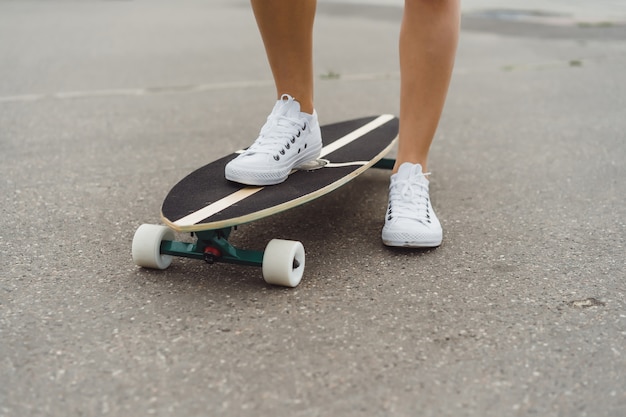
x=306 y=104
x=307 y=107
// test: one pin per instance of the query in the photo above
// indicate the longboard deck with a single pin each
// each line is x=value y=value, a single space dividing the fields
x=205 y=200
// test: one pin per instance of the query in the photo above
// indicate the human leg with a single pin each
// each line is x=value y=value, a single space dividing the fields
x=286 y=28
x=428 y=39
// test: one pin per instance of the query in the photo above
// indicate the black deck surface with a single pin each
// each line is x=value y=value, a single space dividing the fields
x=208 y=185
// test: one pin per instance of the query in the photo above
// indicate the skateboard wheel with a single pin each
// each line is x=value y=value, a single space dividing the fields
x=283 y=263
x=147 y=246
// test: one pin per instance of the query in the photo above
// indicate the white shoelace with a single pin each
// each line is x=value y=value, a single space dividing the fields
x=278 y=134
x=409 y=199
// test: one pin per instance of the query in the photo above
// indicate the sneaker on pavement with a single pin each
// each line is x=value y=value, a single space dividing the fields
x=288 y=139
x=410 y=220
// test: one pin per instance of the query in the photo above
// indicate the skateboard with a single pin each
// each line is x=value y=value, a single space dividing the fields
x=210 y=207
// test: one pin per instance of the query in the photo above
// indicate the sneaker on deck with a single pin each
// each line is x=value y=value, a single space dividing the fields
x=288 y=139
x=410 y=220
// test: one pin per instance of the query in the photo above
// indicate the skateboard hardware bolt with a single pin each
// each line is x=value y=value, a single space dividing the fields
x=211 y=254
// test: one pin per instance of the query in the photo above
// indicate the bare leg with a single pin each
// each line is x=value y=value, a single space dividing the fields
x=286 y=27
x=428 y=40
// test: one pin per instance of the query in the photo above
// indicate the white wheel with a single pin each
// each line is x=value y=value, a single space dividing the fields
x=283 y=263
x=147 y=246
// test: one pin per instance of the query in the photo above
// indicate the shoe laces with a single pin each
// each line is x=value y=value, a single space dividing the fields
x=408 y=198
x=280 y=132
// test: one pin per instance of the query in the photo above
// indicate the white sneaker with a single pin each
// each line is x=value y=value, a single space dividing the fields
x=410 y=220
x=288 y=139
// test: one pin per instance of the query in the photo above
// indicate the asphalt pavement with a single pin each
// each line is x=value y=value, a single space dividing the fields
x=105 y=105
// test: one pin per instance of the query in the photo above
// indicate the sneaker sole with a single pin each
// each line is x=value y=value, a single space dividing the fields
x=405 y=244
x=405 y=240
x=264 y=178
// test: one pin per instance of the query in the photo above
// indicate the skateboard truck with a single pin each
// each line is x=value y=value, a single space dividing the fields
x=282 y=261
x=213 y=246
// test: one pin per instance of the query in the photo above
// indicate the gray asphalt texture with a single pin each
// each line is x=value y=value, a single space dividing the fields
x=104 y=105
